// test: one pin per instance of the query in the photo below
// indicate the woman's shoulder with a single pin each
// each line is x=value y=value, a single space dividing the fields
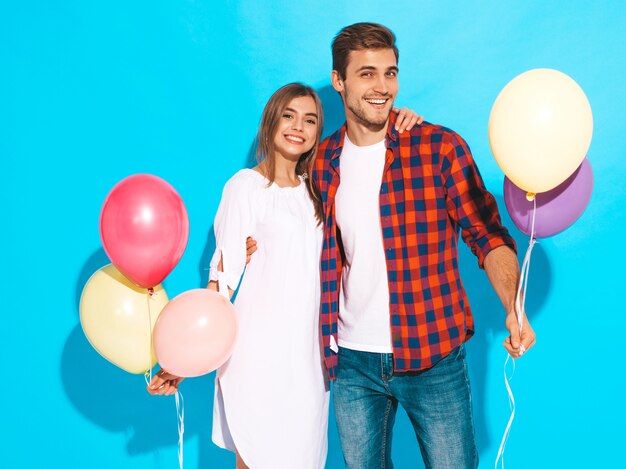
x=246 y=179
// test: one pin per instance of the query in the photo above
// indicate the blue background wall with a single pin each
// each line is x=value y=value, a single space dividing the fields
x=91 y=92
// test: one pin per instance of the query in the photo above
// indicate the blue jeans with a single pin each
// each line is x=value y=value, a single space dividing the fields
x=438 y=402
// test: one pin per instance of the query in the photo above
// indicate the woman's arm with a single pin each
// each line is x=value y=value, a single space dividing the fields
x=213 y=283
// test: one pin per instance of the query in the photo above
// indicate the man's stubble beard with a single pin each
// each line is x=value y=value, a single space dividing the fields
x=358 y=110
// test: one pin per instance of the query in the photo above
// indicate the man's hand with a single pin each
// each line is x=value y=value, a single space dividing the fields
x=406 y=119
x=250 y=248
x=164 y=384
x=503 y=272
x=517 y=344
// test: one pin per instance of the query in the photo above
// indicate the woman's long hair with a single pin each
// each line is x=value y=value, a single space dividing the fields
x=265 y=148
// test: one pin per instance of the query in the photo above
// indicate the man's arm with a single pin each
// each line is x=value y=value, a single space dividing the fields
x=475 y=210
x=503 y=272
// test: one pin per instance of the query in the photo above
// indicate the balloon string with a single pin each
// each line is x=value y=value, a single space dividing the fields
x=180 y=403
x=148 y=373
x=507 y=430
x=520 y=300
x=180 y=415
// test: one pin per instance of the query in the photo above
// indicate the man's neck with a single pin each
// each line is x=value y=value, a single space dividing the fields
x=362 y=135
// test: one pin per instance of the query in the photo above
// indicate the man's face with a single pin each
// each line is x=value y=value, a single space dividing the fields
x=370 y=86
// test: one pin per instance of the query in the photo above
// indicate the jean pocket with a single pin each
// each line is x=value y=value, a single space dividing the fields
x=456 y=355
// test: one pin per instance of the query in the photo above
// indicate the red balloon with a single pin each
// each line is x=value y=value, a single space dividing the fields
x=144 y=228
x=195 y=333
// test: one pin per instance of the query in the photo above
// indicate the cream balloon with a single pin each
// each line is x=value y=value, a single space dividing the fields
x=118 y=318
x=540 y=129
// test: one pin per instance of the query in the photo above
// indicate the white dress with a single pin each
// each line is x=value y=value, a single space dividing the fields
x=271 y=397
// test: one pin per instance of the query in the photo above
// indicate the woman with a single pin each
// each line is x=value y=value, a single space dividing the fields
x=271 y=397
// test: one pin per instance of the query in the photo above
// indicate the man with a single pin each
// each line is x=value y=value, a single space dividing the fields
x=394 y=314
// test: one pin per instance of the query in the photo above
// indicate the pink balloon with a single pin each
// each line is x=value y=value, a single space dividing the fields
x=144 y=228
x=195 y=333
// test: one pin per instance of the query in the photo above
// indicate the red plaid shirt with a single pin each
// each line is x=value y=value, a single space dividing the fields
x=430 y=190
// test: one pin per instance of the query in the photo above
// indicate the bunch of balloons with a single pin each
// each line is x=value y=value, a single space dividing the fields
x=540 y=129
x=124 y=310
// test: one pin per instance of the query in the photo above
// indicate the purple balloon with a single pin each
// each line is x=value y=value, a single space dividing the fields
x=557 y=209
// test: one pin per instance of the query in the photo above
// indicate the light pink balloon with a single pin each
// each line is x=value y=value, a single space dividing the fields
x=144 y=228
x=195 y=333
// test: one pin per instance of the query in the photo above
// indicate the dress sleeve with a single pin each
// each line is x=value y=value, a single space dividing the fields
x=469 y=203
x=234 y=222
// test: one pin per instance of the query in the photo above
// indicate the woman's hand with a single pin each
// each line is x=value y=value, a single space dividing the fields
x=164 y=384
x=407 y=119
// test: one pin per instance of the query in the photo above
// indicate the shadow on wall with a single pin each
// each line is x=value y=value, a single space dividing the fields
x=205 y=259
x=118 y=401
x=334 y=116
x=489 y=322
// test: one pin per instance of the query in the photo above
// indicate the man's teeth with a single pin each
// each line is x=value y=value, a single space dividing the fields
x=294 y=139
x=376 y=101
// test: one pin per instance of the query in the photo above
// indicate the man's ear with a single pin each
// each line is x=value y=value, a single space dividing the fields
x=336 y=81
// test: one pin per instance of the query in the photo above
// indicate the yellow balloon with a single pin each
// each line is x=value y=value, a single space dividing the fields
x=118 y=318
x=540 y=129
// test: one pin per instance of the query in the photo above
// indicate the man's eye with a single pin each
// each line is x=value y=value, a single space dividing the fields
x=392 y=74
x=366 y=74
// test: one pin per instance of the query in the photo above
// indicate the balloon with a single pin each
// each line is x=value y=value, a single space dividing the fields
x=144 y=228
x=557 y=209
x=195 y=333
x=540 y=129
x=118 y=318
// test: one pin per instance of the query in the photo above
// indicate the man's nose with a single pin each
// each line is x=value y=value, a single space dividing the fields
x=381 y=85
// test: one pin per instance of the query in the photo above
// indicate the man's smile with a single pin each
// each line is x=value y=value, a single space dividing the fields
x=378 y=103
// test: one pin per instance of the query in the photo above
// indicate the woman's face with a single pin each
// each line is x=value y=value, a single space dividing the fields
x=297 y=128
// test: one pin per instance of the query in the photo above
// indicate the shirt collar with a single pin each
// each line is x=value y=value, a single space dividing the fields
x=390 y=137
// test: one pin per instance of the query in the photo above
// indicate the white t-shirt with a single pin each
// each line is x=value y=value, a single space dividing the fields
x=364 y=322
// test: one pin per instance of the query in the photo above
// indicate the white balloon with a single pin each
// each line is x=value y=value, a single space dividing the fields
x=540 y=129
x=118 y=318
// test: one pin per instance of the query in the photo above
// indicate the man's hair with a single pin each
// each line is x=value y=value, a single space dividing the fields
x=360 y=36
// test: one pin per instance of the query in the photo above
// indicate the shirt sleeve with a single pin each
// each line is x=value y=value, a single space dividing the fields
x=468 y=202
x=317 y=170
x=234 y=222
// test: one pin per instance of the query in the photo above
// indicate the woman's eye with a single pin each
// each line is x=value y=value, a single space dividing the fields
x=287 y=116
x=311 y=121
